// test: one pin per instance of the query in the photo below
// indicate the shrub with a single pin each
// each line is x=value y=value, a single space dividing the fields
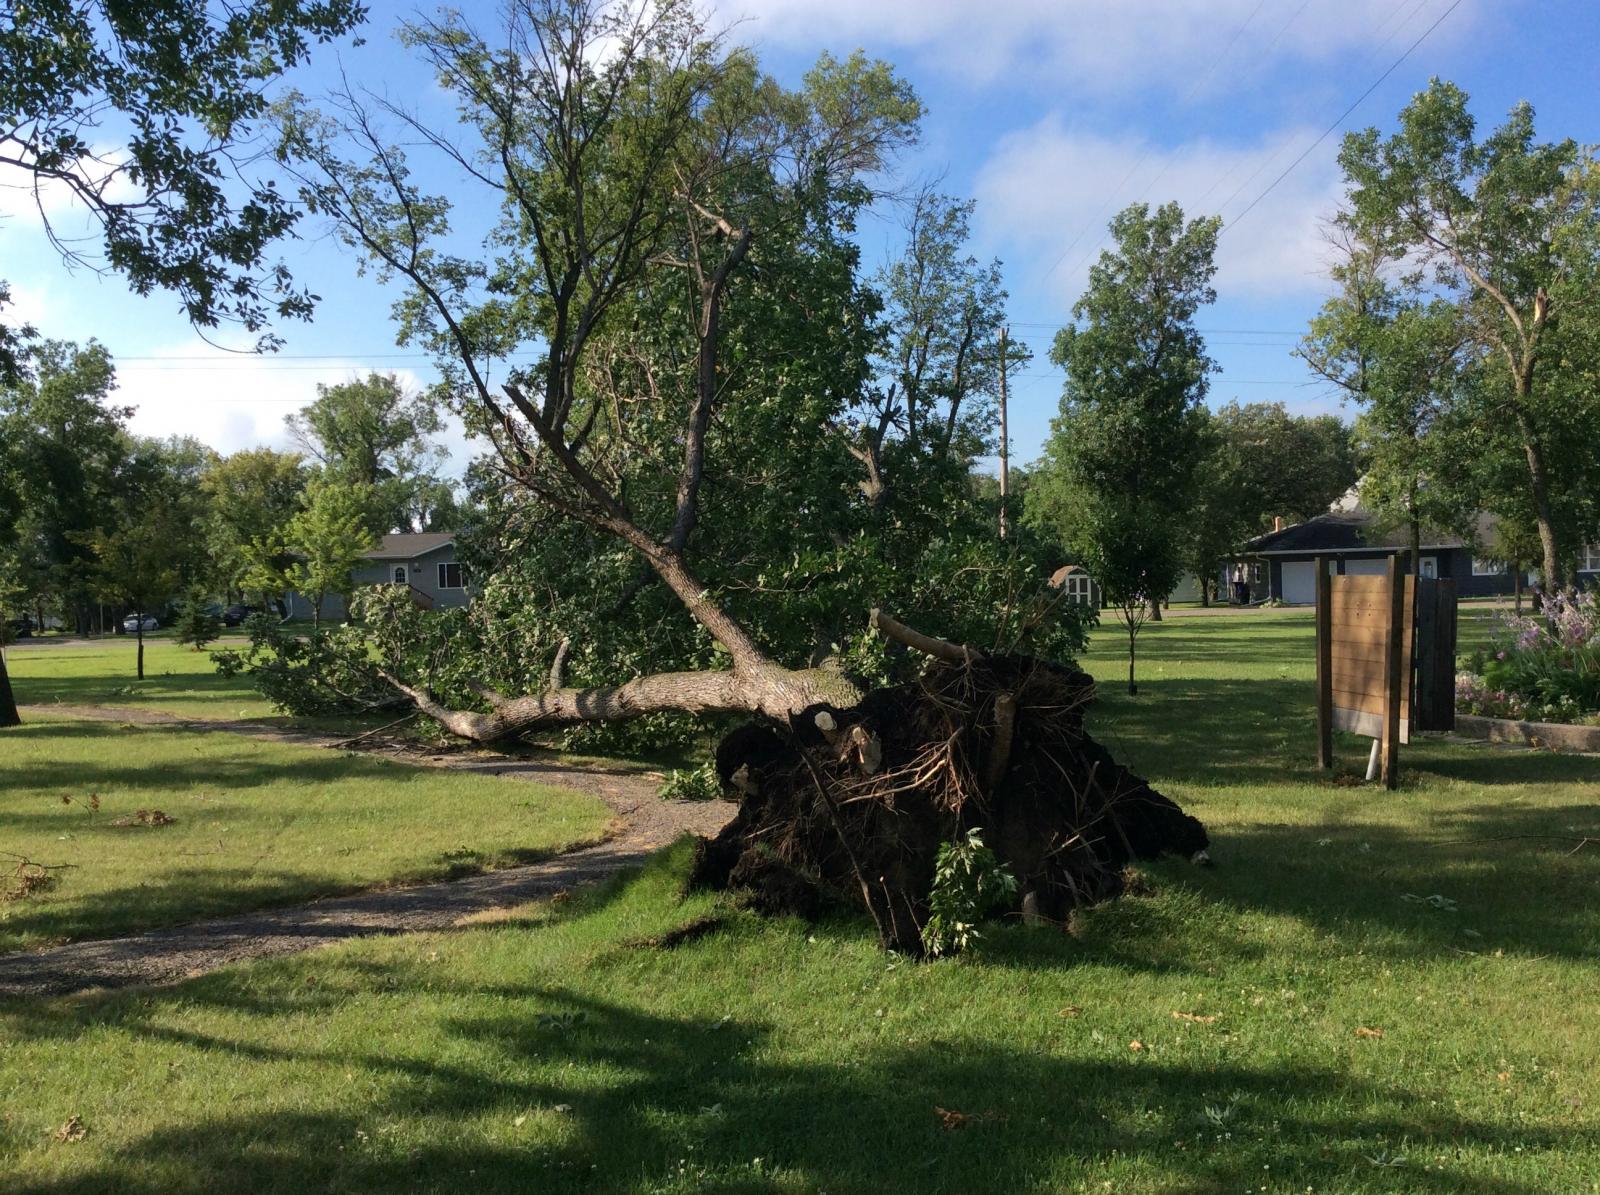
x=1543 y=668
x=696 y=784
x=197 y=623
x=968 y=882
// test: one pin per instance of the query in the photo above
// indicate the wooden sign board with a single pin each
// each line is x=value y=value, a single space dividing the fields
x=1374 y=634
x=1361 y=610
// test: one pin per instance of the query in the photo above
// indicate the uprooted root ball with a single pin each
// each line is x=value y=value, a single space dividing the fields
x=853 y=804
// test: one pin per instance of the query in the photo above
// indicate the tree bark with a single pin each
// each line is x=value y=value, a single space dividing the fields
x=1539 y=483
x=1133 y=639
x=8 y=701
x=140 y=666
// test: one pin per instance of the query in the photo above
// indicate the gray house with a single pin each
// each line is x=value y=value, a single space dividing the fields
x=424 y=563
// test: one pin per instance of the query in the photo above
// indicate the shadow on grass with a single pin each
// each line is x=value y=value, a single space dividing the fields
x=726 y=1105
x=116 y=689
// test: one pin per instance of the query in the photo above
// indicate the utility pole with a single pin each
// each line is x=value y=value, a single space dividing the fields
x=1005 y=440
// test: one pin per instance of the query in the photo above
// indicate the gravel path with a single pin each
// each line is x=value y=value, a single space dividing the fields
x=644 y=824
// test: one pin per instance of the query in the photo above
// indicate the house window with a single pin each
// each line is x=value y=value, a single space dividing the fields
x=1079 y=588
x=400 y=577
x=1591 y=559
x=1488 y=568
x=451 y=575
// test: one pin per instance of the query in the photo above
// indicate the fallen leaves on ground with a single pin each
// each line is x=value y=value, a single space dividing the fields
x=1071 y=1010
x=1367 y=1031
x=952 y=1120
x=73 y=1130
x=1194 y=1017
x=145 y=817
x=1136 y=1044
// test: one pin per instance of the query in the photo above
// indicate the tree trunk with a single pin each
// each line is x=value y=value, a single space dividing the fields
x=8 y=701
x=1133 y=638
x=1516 y=583
x=140 y=625
x=1155 y=610
x=1539 y=482
x=1205 y=592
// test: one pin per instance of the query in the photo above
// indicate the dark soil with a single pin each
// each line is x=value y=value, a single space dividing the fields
x=852 y=805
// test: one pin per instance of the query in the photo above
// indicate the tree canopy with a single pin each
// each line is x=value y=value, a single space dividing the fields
x=148 y=116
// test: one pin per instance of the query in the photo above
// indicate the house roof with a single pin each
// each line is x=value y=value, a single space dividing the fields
x=410 y=545
x=1349 y=527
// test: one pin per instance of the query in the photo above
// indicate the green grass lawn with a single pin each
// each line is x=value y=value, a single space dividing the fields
x=570 y=1050
x=177 y=679
x=255 y=824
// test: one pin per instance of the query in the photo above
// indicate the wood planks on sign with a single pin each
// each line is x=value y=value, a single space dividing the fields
x=1365 y=641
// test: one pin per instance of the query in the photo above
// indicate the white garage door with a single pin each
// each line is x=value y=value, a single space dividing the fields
x=1300 y=582
x=1374 y=567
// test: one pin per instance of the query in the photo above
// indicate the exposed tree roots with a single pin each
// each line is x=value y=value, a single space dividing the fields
x=852 y=804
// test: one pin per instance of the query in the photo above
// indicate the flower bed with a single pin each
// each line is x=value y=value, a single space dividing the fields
x=1540 y=668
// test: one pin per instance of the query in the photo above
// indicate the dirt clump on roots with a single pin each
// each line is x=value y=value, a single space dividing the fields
x=852 y=805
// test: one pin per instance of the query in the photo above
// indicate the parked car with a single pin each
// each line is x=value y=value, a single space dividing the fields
x=236 y=614
x=140 y=622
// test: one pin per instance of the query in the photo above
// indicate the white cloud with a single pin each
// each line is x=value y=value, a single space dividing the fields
x=25 y=195
x=1046 y=194
x=233 y=401
x=1113 y=48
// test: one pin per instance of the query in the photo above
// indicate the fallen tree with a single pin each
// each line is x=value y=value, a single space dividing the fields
x=855 y=804
x=673 y=245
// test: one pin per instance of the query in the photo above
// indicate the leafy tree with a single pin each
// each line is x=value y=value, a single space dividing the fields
x=250 y=497
x=1508 y=230
x=930 y=409
x=68 y=448
x=1400 y=355
x=1120 y=462
x=176 y=88
x=136 y=564
x=329 y=539
x=371 y=432
x=1242 y=483
x=198 y=622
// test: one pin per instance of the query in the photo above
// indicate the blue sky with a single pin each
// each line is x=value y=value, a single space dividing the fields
x=1052 y=114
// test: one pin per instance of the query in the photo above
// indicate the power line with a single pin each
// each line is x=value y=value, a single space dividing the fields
x=1267 y=162
x=1149 y=149
x=1343 y=116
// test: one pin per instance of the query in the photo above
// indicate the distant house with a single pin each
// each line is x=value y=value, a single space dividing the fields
x=424 y=563
x=1348 y=536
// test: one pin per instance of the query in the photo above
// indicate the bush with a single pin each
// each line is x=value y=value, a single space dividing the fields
x=197 y=623
x=1542 y=668
x=696 y=784
x=968 y=881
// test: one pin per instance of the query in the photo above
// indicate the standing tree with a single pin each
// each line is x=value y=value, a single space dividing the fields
x=69 y=450
x=136 y=563
x=1508 y=229
x=1400 y=356
x=371 y=432
x=197 y=623
x=147 y=115
x=1241 y=484
x=1120 y=463
x=250 y=497
x=328 y=539
x=931 y=409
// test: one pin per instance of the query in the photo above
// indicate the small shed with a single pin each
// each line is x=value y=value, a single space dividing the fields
x=1076 y=583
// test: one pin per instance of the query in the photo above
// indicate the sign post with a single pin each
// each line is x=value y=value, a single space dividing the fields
x=1375 y=636
x=1365 y=648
